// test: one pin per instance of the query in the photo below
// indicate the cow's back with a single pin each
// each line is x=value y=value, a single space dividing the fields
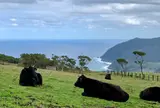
x=151 y=94
x=114 y=92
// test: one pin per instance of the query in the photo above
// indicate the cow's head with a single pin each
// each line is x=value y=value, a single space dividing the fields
x=80 y=81
x=31 y=69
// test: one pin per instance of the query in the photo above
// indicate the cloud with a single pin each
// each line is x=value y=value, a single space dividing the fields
x=14 y=24
x=122 y=13
x=132 y=21
x=154 y=22
x=18 y=1
x=13 y=19
x=88 y=2
x=91 y=26
x=39 y=14
x=89 y=13
x=106 y=29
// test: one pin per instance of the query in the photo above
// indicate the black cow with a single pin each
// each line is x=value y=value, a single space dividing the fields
x=108 y=76
x=98 y=89
x=150 y=94
x=29 y=77
x=39 y=78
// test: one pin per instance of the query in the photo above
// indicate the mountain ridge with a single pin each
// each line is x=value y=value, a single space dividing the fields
x=124 y=50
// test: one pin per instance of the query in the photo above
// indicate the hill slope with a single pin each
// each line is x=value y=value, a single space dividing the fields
x=58 y=90
x=125 y=49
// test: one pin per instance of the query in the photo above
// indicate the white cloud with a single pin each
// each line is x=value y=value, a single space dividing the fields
x=18 y=1
x=154 y=22
x=89 y=20
x=145 y=27
x=129 y=14
x=14 y=24
x=106 y=29
x=132 y=21
x=93 y=13
x=89 y=2
x=119 y=6
x=13 y=19
x=91 y=26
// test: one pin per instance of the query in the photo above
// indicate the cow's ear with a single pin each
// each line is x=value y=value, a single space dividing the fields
x=80 y=79
x=83 y=76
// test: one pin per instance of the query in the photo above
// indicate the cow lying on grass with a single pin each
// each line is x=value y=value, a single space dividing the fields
x=29 y=77
x=95 y=88
x=150 y=94
x=108 y=76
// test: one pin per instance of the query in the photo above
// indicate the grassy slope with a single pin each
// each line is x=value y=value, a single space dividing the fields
x=58 y=90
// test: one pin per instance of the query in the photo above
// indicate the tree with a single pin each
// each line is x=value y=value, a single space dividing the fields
x=37 y=60
x=139 y=59
x=8 y=59
x=71 y=63
x=122 y=62
x=77 y=69
x=55 y=61
x=42 y=63
x=25 y=60
x=63 y=61
x=86 y=68
x=83 y=61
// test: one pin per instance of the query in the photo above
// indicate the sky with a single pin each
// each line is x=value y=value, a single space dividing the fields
x=79 y=19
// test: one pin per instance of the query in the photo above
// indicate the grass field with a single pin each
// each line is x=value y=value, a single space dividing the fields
x=58 y=90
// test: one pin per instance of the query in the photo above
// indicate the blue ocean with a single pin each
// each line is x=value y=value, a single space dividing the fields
x=72 y=48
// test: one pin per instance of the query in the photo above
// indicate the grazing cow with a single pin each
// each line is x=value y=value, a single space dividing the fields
x=150 y=94
x=108 y=76
x=98 y=89
x=29 y=77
